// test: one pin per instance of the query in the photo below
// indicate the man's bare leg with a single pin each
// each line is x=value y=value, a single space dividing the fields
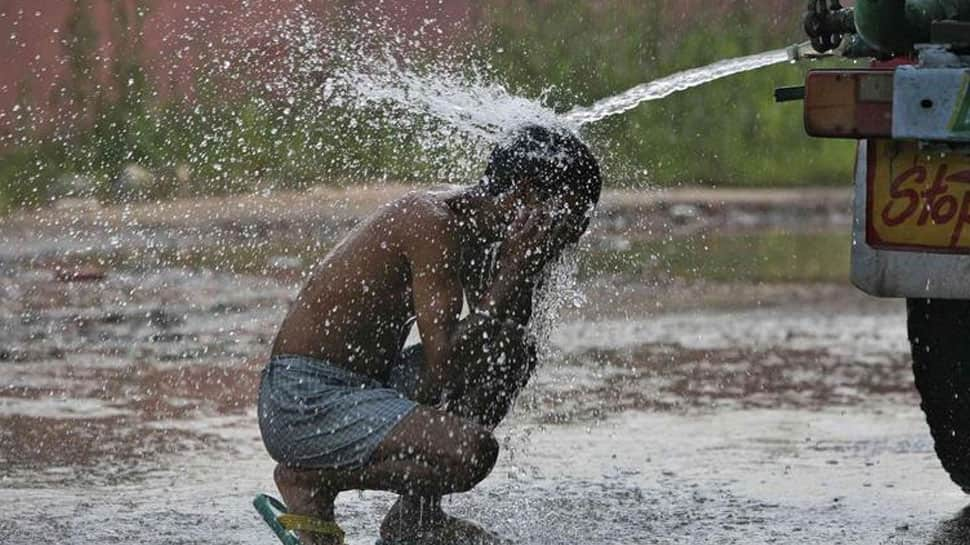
x=308 y=493
x=408 y=462
x=491 y=390
x=417 y=515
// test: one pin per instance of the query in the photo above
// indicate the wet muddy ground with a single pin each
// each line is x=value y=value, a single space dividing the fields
x=679 y=407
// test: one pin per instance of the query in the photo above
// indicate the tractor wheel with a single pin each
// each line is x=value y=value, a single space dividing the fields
x=939 y=336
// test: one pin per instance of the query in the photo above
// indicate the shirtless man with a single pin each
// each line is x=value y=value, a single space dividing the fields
x=343 y=405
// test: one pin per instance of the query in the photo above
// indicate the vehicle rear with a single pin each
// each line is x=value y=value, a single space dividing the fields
x=909 y=111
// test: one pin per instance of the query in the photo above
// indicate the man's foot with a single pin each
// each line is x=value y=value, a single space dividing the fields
x=304 y=493
x=308 y=538
x=426 y=524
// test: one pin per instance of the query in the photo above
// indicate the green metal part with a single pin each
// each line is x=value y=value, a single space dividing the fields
x=857 y=48
x=893 y=26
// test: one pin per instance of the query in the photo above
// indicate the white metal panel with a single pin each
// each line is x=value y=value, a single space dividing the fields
x=926 y=102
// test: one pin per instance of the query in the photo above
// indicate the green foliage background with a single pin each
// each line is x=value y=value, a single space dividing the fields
x=726 y=133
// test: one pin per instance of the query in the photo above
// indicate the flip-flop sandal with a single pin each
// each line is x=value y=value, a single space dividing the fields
x=286 y=525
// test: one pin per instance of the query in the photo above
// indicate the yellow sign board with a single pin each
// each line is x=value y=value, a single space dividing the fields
x=917 y=201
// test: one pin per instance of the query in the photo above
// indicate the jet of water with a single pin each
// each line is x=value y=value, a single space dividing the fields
x=666 y=86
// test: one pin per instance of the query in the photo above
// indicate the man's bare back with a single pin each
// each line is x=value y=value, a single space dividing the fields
x=358 y=300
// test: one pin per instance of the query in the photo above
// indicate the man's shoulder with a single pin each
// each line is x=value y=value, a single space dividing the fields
x=423 y=210
x=424 y=218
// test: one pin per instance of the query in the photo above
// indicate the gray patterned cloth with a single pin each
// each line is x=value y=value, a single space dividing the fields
x=313 y=414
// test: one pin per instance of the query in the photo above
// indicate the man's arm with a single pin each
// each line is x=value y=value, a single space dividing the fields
x=437 y=295
x=451 y=344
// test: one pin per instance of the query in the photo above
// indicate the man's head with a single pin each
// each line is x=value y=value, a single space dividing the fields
x=543 y=166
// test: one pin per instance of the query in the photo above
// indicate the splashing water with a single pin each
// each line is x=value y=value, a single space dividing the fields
x=559 y=289
x=456 y=107
x=471 y=106
x=437 y=109
x=378 y=84
x=668 y=85
x=475 y=108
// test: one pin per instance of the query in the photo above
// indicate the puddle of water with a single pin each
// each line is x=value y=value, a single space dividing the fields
x=731 y=476
x=862 y=336
x=825 y=477
x=55 y=407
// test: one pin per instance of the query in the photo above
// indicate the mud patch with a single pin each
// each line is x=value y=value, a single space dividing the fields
x=105 y=451
x=596 y=383
x=130 y=421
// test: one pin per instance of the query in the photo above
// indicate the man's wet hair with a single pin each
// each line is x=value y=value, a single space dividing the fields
x=552 y=159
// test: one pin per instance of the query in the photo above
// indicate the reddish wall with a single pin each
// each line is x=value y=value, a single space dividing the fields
x=31 y=31
x=31 y=34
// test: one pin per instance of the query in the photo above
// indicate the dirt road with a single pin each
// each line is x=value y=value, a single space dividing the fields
x=670 y=412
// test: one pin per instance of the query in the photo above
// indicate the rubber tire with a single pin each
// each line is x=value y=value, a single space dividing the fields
x=939 y=337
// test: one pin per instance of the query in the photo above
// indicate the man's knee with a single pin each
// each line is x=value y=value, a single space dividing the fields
x=475 y=461
x=486 y=457
x=511 y=333
x=519 y=353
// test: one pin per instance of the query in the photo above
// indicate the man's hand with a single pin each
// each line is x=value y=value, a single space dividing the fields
x=534 y=240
